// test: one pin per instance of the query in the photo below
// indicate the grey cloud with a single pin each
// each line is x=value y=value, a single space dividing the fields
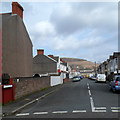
x=97 y=16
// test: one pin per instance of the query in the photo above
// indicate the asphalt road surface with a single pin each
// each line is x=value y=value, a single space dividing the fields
x=84 y=99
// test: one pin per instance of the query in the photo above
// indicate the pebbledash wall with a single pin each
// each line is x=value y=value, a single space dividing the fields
x=0 y=46
x=16 y=47
x=17 y=55
x=25 y=86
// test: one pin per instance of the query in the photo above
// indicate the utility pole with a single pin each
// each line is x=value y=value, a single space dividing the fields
x=95 y=69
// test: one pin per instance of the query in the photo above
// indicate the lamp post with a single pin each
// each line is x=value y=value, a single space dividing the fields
x=95 y=69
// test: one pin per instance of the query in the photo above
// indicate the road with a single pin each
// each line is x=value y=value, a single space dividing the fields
x=84 y=99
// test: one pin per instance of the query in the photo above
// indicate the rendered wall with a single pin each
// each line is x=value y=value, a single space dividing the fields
x=42 y=64
x=17 y=47
x=56 y=80
x=0 y=61
x=0 y=46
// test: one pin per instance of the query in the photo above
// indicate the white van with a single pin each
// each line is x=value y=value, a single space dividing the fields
x=101 y=78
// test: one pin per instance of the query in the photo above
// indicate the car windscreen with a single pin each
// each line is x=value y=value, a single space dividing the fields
x=118 y=79
x=76 y=78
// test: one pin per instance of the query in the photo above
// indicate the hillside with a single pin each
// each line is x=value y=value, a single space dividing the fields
x=73 y=59
x=80 y=63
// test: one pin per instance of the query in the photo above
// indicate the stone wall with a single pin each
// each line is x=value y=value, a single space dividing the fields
x=25 y=86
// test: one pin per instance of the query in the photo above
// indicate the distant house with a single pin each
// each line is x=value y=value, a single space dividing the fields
x=63 y=66
x=111 y=66
x=43 y=64
x=16 y=44
x=49 y=65
x=116 y=62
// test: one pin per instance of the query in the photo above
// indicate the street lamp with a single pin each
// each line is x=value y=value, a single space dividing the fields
x=95 y=69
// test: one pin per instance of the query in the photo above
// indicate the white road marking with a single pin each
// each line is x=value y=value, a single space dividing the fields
x=100 y=108
x=115 y=107
x=94 y=108
x=92 y=104
x=99 y=111
x=88 y=85
x=89 y=92
x=115 y=110
x=22 y=114
x=77 y=111
x=40 y=113
x=60 y=112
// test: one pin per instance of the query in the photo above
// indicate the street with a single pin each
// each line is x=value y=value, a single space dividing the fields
x=83 y=99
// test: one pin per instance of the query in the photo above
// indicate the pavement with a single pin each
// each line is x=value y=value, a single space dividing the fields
x=19 y=104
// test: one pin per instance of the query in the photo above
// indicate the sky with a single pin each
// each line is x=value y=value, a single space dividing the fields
x=85 y=30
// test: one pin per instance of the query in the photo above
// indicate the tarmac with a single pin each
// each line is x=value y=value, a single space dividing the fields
x=19 y=104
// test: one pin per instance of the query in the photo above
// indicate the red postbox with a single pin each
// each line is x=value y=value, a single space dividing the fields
x=7 y=89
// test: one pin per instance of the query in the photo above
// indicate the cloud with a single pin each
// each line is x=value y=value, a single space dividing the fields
x=44 y=28
x=71 y=18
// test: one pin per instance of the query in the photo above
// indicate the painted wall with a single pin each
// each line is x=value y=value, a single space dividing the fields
x=56 y=80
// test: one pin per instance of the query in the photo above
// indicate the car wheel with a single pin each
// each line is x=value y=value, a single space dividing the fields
x=114 y=90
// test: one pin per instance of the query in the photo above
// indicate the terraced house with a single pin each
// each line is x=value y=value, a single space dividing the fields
x=111 y=66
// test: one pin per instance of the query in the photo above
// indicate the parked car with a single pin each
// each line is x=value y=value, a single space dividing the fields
x=100 y=78
x=115 y=83
x=92 y=77
x=81 y=77
x=36 y=75
x=76 y=78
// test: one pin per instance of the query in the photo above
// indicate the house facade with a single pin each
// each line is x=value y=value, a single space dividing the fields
x=43 y=64
x=51 y=66
x=111 y=66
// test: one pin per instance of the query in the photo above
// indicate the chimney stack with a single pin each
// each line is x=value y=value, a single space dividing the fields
x=40 y=52
x=51 y=56
x=17 y=9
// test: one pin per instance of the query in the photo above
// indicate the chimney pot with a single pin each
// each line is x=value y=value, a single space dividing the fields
x=40 y=52
x=51 y=56
x=17 y=9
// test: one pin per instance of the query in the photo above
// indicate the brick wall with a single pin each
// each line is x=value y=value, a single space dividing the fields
x=66 y=80
x=26 y=86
